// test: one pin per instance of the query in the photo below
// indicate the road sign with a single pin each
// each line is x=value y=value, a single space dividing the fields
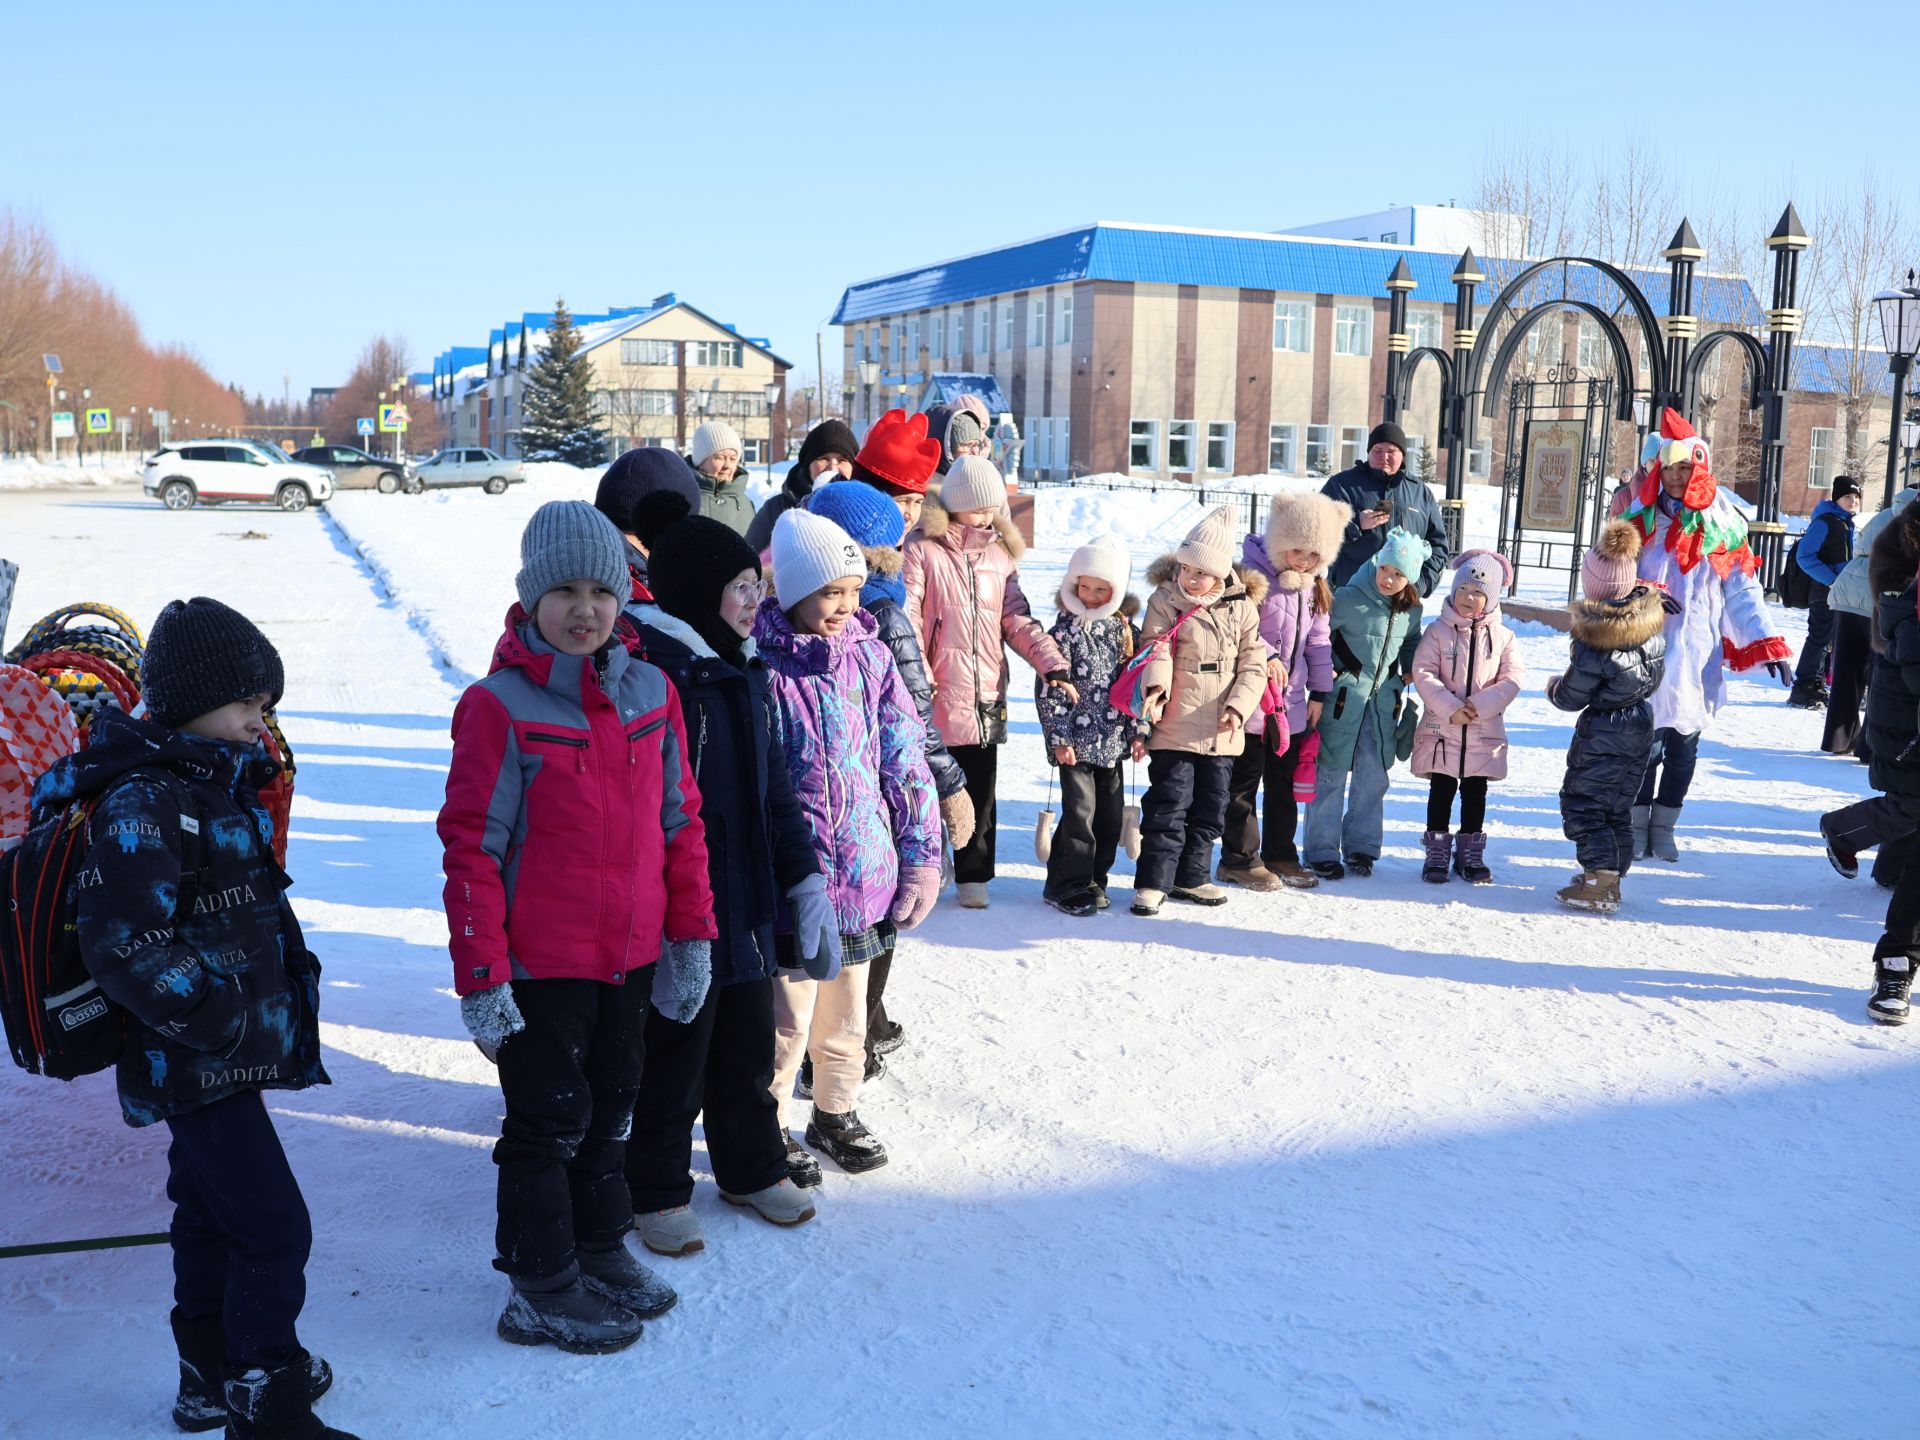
x=99 y=422
x=392 y=418
x=63 y=424
x=363 y=425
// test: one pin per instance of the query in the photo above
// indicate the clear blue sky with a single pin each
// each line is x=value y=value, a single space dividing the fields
x=275 y=184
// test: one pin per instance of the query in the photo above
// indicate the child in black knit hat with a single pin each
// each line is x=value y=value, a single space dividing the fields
x=183 y=923
x=707 y=588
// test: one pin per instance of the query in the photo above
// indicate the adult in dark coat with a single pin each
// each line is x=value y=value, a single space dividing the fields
x=962 y=428
x=1383 y=495
x=1893 y=735
x=1823 y=552
x=828 y=450
x=758 y=851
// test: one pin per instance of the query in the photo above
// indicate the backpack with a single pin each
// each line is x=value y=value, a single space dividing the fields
x=59 y=1022
x=1796 y=586
x=1128 y=692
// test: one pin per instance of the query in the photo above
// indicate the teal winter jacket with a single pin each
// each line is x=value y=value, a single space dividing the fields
x=1373 y=647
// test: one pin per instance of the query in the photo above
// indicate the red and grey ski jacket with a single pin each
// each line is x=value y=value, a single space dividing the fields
x=572 y=821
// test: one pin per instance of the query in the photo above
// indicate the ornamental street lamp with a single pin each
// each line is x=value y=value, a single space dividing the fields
x=869 y=373
x=1900 y=331
x=772 y=392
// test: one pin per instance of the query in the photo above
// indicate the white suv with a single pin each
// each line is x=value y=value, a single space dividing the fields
x=213 y=471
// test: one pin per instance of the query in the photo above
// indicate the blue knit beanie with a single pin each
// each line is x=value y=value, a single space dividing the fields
x=870 y=517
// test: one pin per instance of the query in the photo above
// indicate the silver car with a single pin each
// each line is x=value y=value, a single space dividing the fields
x=467 y=465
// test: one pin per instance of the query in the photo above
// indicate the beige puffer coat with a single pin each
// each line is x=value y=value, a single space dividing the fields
x=966 y=605
x=1217 y=661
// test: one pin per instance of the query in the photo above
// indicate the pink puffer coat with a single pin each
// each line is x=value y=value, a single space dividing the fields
x=966 y=605
x=1460 y=659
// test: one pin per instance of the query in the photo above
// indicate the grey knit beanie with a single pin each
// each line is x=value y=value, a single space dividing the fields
x=973 y=484
x=569 y=540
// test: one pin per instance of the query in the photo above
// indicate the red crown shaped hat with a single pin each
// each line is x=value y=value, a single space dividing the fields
x=900 y=451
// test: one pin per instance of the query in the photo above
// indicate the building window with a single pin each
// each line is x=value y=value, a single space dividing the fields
x=1543 y=342
x=715 y=354
x=1143 y=445
x=1592 y=345
x=1389 y=237
x=1416 y=447
x=1283 y=449
x=959 y=325
x=750 y=451
x=1353 y=445
x=1320 y=449
x=1063 y=322
x=1821 y=457
x=1423 y=329
x=1180 y=445
x=1037 y=314
x=937 y=336
x=1038 y=455
x=653 y=352
x=1220 y=446
x=1293 y=326
x=1063 y=444
x=913 y=343
x=1353 y=329
x=1006 y=325
x=893 y=346
x=986 y=329
x=1480 y=459
x=873 y=343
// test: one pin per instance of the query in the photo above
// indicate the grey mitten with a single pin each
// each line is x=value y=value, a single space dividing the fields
x=816 y=929
x=492 y=1018
x=680 y=978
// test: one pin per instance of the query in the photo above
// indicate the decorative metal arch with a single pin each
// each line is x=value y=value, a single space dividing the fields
x=1658 y=382
x=1616 y=339
x=1756 y=368
x=1403 y=390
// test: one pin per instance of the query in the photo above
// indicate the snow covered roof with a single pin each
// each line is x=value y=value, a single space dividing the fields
x=1234 y=259
x=946 y=388
x=595 y=330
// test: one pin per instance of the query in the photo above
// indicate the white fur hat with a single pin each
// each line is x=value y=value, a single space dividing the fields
x=713 y=437
x=1102 y=558
x=810 y=552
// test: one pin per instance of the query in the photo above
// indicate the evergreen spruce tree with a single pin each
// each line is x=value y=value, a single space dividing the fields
x=556 y=405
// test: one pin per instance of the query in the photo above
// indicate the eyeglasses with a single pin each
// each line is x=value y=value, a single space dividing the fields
x=748 y=592
x=970 y=447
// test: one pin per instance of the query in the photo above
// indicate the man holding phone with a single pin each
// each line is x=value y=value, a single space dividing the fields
x=1383 y=495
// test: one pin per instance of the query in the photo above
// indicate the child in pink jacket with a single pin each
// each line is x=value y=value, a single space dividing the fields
x=1467 y=670
x=966 y=605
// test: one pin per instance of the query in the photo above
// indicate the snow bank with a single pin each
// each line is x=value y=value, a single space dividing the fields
x=27 y=473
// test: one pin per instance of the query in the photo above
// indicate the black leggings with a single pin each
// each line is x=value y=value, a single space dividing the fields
x=1473 y=802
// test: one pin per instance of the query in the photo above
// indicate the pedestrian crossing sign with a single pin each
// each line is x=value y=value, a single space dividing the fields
x=99 y=422
x=392 y=418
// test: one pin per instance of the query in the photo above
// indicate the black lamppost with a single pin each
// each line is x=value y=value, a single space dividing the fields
x=1399 y=283
x=1900 y=329
x=1679 y=327
x=1784 y=319
x=1459 y=424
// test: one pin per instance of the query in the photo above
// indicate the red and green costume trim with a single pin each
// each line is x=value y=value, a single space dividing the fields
x=1706 y=523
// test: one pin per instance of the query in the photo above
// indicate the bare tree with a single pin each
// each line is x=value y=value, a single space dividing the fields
x=1863 y=239
x=1631 y=207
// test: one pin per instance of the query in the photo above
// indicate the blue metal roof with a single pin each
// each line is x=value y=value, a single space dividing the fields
x=1822 y=370
x=1296 y=264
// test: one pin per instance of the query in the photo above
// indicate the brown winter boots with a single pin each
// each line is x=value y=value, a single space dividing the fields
x=1597 y=890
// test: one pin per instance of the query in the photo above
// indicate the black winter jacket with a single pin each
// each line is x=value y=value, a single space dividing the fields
x=1619 y=659
x=884 y=598
x=758 y=844
x=792 y=496
x=1893 y=696
x=1414 y=510
x=183 y=921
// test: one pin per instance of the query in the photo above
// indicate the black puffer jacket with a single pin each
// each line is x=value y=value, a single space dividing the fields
x=1619 y=659
x=1414 y=509
x=1893 y=697
x=183 y=921
x=829 y=437
x=758 y=845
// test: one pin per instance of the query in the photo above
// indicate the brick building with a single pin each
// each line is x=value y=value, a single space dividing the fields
x=1197 y=354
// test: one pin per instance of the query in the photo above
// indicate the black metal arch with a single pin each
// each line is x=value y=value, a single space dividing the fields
x=1616 y=339
x=1403 y=391
x=1657 y=379
x=1756 y=367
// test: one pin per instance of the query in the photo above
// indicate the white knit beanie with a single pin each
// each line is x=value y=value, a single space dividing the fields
x=568 y=540
x=713 y=437
x=1102 y=558
x=973 y=484
x=810 y=552
x=1209 y=545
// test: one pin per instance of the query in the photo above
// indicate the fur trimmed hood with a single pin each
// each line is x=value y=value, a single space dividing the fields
x=1890 y=566
x=1245 y=580
x=935 y=522
x=1306 y=521
x=1619 y=624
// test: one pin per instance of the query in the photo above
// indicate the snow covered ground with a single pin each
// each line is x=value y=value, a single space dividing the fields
x=1382 y=1159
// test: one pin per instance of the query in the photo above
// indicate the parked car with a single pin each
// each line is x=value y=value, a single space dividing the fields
x=213 y=472
x=468 y=465
x=355 y=469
